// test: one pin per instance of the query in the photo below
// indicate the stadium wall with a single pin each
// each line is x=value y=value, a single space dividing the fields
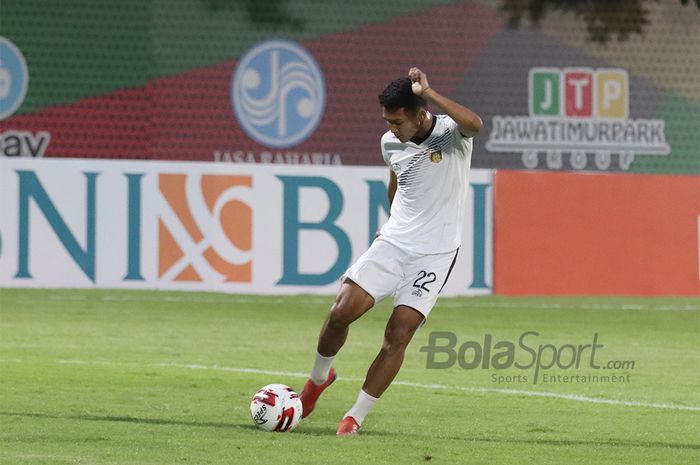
x=608 y=234
x=193 y=80
x=242 y=88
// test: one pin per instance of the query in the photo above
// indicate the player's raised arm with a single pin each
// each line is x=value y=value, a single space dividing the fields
x=469 y=122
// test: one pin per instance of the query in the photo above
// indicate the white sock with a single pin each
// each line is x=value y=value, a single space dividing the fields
x=363 y=405
x=322 y=365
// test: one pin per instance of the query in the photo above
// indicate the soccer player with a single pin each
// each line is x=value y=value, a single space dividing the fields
x=411 y=258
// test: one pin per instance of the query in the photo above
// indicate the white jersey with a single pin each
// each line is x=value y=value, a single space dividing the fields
x=432 y=185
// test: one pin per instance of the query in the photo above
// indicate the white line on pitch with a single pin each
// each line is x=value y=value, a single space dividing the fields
x=327 y=300
x=517 y=392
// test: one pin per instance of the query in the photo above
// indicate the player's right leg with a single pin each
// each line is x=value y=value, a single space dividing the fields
x=350 y=304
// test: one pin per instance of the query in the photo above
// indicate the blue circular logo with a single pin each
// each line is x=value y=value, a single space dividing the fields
x=14 y=78
x=278 y=93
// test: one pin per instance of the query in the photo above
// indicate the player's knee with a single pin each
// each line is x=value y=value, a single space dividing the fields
x=351 y=303
x=397 y=338
x=340 y=315
x=400 y=329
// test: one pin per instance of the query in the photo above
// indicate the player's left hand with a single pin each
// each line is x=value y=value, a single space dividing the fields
x=419 y=76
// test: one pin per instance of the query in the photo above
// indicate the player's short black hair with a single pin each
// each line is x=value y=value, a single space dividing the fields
x=398 y=94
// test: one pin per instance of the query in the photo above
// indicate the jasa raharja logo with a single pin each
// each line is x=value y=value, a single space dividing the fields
x=579 y=115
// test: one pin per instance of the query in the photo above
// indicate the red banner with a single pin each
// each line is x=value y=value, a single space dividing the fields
x=601 y=234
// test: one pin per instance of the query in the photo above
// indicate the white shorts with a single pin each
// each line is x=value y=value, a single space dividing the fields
x=415 y=280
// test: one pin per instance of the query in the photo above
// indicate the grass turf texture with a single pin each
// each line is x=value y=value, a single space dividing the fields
x=124 y=377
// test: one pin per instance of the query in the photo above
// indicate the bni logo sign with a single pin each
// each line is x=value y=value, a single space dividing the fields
x=574 y=114
x=278 y=93
x=205 y=228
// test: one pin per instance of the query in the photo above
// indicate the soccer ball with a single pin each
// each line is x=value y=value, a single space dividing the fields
x=276 y=407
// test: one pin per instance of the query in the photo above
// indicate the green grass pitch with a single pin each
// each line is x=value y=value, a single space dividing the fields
x=136 y=377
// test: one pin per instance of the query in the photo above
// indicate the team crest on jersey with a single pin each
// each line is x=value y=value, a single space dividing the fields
x=436 y=156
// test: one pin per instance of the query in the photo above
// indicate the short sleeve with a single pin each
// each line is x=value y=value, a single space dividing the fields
x=459 y=137
x=385 y=154
x=459 y=141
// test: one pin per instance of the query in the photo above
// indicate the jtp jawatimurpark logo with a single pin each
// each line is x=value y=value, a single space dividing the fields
x=278 y=93
x=574 y=114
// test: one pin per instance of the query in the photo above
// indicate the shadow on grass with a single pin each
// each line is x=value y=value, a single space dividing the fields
x=129 y=419
x=321 y=431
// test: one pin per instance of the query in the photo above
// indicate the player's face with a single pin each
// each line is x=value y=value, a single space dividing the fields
x=404 y=124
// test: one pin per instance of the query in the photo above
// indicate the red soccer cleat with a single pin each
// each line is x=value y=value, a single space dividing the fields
x=311 y=392
x=347 y=427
